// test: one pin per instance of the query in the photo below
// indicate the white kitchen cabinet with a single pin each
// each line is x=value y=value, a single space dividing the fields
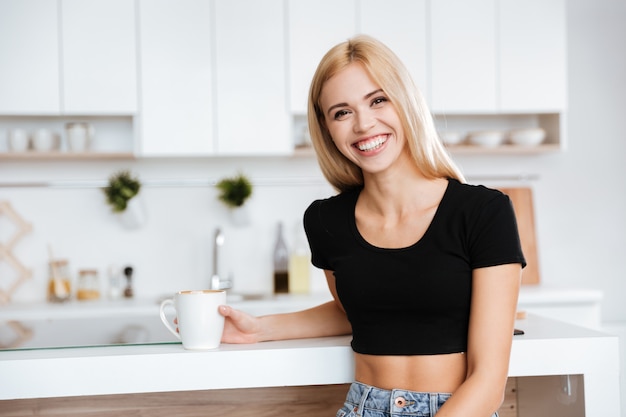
x=402 y=26
x=98 y=57
x=463 y=56
x=67 y=57
x=314 y=27
x=29 y=57
x=176 y=116
x=498 y=56
x=250 y=78
x=532 y=51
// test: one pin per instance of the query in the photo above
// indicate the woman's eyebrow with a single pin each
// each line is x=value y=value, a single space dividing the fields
x=368 y=95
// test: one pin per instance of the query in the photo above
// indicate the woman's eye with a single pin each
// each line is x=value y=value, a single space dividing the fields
x=340 y=114
x=379 y=100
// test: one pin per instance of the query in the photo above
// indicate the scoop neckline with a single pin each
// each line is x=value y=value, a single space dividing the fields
x=364 y=242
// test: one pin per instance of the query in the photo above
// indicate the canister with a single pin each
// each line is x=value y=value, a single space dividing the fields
x=59 y=287
x=88 y=285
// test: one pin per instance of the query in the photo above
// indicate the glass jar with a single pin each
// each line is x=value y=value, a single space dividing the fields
x=88 y=285
x=59 y=288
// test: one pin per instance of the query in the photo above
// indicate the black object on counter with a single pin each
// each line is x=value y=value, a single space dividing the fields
x=281 y=263
x=128 y=291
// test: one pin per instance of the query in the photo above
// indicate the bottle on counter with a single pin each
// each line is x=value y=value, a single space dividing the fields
x=281 y=263
x=116 y=284
x=88 y=285
x=128 y=291
x=299 y=265
x=59 y=286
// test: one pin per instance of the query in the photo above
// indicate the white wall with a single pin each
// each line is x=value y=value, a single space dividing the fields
x=580 y=197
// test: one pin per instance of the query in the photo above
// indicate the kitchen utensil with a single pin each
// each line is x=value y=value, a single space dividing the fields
x=44 y=140
x=522 y=200
x=486 y=138
x=451 y=138
x=79 y=136
x=527 y=137
x=59 y=288
x=18 y=140
x=88 y=285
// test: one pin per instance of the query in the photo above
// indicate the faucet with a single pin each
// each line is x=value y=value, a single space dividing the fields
x=216 y=282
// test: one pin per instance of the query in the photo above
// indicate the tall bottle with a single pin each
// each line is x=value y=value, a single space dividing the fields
x=281 y=263
x=299 y=265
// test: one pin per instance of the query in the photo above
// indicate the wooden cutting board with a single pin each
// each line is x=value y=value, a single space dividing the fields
x=522 y=200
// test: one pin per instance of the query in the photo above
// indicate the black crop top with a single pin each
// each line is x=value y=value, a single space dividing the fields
x=414 y=300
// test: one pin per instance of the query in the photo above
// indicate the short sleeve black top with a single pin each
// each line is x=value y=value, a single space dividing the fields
x=414 y=300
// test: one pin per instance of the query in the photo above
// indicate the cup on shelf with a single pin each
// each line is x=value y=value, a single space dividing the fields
x=18 y=140
x=79 y=136
x=44 y=140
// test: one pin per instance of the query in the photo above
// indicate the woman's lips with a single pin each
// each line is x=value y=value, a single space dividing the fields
x=371 y=144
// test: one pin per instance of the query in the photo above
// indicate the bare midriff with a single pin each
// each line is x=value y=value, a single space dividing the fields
x=421 y=373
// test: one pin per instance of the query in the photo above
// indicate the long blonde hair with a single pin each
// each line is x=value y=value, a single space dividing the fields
x=391 y=75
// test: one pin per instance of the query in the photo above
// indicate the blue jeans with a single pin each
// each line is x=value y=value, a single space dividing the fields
x=366 y=401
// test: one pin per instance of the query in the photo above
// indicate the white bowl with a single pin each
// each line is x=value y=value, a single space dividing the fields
x=487 y=138
x=451 y=138
x=527 y=137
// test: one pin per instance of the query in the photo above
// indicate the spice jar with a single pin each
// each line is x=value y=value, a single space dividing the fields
x=59 y=288
x=88 y=285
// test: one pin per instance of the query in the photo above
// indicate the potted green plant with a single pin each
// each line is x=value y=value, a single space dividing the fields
x=234 y=192
x=122 y=194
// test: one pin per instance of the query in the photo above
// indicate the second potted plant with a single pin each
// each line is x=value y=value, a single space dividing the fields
x=234 y=192
x=122 y=194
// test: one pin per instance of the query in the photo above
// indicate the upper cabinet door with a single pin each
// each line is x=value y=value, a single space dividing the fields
x=176 y=117
x=29 y=57
x=251 y=80
x=314 y=27
x=463 y=56
x=402 y=26
x=99 y=57
x=532 y=49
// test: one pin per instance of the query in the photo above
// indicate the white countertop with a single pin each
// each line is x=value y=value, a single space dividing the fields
x=548 y=348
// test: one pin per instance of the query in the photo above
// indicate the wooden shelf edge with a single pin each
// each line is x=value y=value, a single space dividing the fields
x=56 y=156
x=477 y=150
x=504 y=149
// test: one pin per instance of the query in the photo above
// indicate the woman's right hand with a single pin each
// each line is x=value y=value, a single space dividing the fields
x=239 y=327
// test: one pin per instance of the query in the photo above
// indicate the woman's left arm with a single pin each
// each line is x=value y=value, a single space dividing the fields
x=492 y=318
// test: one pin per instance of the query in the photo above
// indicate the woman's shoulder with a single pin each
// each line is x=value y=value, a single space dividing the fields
x=343 y=200
x=472 y=193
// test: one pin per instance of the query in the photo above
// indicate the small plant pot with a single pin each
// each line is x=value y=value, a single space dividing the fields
x=135 y=215
x=239 y=216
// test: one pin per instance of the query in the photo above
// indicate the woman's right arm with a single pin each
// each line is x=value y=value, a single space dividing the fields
x=328 y=319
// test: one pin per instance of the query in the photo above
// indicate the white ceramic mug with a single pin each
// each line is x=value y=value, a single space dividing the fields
x=79 y=136
x=200 y=325
x=18 y=140
x=45 y=140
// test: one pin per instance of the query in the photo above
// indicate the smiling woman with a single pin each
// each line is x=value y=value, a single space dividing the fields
x=408 y=250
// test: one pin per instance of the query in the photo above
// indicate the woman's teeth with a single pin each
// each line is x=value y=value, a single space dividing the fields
x=370 y=144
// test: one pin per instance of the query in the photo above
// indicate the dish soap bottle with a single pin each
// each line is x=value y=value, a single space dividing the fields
x=281 y=263
x=299 y=264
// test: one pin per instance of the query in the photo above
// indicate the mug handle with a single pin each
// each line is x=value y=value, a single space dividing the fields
x=164 y=319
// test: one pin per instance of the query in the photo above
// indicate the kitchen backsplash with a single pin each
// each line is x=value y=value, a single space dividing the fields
x=173 y=250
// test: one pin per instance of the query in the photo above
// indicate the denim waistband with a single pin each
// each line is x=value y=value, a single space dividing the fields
x=366 y=399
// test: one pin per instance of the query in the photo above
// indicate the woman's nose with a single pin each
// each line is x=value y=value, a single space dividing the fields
x=363 y=122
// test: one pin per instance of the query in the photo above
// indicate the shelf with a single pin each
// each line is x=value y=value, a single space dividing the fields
x=503 y=149
x=56 y=156
x=474 y=150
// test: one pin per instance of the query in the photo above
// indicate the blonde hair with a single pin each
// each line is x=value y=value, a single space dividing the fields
x=430 y=156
